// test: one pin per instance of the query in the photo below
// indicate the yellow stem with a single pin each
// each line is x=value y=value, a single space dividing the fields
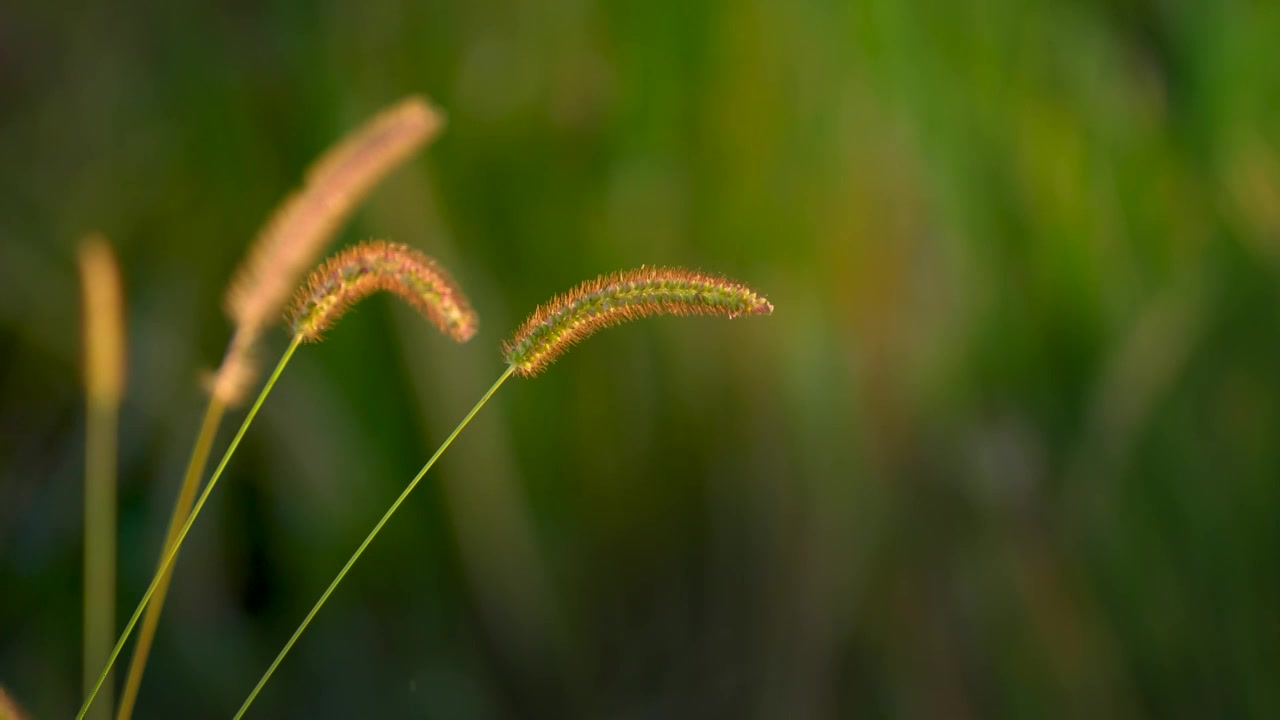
x=181 y=509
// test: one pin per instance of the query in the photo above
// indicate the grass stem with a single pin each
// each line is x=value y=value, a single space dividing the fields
x=104 y=379
x=99 y=535
x=181 y=509
x=173 y=551
x=372 y=534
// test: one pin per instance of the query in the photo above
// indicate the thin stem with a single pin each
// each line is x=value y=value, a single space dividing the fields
x=173 y=552
x=99 y=534
x=181 y=509
x=376 y=529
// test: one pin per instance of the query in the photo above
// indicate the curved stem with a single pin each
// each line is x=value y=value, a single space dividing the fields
x=376 y=529
x=181 y=509
x=173 y=552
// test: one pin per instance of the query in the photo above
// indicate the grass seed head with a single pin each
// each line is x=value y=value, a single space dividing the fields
x=366 y=268
x=619 y=297
x=296 y=234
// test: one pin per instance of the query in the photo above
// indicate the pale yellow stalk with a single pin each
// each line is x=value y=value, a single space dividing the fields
x=104 y=360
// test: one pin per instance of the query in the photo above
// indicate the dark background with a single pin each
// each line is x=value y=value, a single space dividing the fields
x=1007 y=447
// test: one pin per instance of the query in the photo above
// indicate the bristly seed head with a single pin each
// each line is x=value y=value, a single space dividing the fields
x=619 y=297
x=302 y=225
x=296 y=233
x=358 y=271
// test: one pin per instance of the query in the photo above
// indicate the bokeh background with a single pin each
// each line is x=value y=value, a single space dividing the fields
x=1008 y=446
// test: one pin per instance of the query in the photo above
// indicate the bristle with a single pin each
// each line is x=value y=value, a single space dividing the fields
x=619 y=297
x=358 y=271
x=302 y=225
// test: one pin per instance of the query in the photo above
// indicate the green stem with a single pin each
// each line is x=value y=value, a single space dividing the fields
x=181 y=509
x=376 y=529
x=173 y=552
x=99 y=533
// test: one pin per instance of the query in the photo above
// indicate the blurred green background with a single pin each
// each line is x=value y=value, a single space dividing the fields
x=1007 y=447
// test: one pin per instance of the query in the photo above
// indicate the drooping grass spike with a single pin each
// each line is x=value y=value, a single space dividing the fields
x=619 y=297
x=296 y=234
x=374 y=265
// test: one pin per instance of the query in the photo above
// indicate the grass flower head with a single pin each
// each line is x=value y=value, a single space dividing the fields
x=619 y=297
x=363 y=269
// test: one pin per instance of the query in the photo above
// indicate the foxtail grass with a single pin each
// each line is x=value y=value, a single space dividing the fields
x=104 y=363
x=547 y=333
x=330 y=290
x=620 y=297
x=296 y=234
x=359 y=271
x=288 y=244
